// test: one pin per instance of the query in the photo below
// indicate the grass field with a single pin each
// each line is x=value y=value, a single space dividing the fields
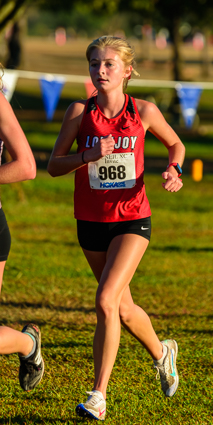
x=48 y=281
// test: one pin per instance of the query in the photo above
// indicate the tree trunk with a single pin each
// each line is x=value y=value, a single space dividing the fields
x=11 y=14
x=175 y=36
x=206 y=68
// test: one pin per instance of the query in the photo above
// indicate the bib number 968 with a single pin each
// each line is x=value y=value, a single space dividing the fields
x=112 y=172
x=116 y=171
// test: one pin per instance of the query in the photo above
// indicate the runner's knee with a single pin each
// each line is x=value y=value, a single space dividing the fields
x=105 y=305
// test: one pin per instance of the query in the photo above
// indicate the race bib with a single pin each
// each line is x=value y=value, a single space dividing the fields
x=115 y=171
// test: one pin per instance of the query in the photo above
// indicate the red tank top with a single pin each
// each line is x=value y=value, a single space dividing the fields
x=112 y=189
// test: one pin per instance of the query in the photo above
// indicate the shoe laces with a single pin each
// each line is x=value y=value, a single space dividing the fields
x=162 y=371
x=163 y=374
x=93 y=398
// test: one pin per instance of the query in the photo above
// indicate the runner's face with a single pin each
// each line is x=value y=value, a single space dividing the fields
x=106 y=69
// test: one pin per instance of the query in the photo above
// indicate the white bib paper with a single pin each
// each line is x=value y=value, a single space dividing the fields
x=115 y=171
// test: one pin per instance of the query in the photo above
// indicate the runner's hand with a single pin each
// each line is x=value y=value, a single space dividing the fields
x=105 y=146
x=173 y=183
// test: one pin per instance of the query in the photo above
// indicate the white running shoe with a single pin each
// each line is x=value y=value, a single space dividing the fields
x=168 y=370
x=95 y=406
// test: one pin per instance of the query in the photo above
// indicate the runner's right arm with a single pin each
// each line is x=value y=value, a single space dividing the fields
x=60 y=161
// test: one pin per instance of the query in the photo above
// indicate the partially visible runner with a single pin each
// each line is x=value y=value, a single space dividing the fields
x=111 y=207
x=22 y=167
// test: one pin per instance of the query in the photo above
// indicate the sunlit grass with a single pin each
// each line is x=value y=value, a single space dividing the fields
x=48 y=281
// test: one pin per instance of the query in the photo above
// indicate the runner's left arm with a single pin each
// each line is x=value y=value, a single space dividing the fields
x=154 y=122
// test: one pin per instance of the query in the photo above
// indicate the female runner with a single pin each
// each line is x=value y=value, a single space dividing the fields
x=111 y=207
x=22 y=167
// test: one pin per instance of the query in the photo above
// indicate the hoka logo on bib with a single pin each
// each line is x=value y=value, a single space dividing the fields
x=112 y=185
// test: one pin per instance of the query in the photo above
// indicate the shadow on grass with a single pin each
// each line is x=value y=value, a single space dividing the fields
x=26 y=304
x=196 y=331
x=179 y=249
x=184 y=314
x=36 y=420
x=47 y=241
x=88 y=310
x=76 y=244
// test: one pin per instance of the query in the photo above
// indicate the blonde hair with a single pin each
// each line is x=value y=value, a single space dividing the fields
x=121 y=46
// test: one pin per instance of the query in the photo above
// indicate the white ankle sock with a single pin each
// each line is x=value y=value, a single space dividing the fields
x=34 y=346
x=160 y=361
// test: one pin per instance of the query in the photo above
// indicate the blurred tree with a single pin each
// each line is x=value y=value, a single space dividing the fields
x=14 y=47
x=159 y=13
x=163 y=13
x=8 y=10
x=172 y=13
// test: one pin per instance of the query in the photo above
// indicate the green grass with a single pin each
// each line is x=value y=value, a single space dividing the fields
x=47 y=280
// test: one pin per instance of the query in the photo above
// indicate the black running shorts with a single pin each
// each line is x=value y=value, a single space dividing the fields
x=5 y=239
x=95 y=236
